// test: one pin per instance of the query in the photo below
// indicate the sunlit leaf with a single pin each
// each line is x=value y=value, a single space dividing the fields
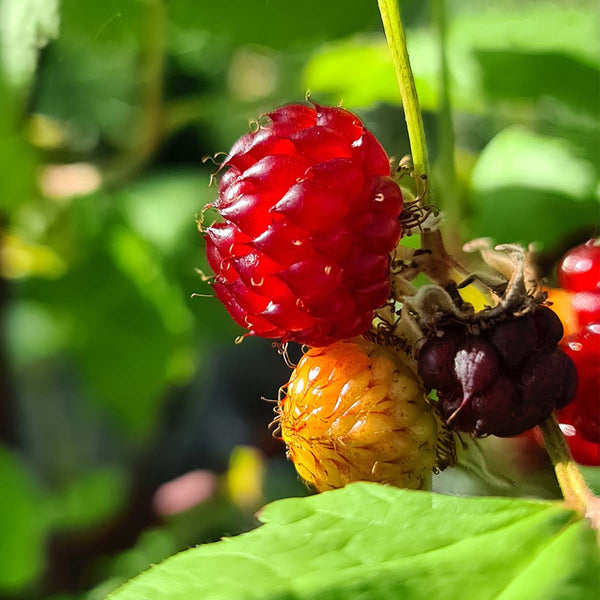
x=532 y=188
x=162 y=207
x=517 y=157
x=371 y=541
x=359 y=71
x=537 y=52
x=26 y=26
x=275 y=24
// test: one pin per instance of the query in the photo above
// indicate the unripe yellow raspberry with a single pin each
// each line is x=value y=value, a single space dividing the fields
x=355 y=412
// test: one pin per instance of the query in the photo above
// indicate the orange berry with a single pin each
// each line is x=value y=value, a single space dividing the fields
x=561 y=305
x=354 y=411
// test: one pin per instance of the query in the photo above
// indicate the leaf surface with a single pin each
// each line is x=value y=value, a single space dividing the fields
x=377 y=542
x=532 y=188
x=25 y=27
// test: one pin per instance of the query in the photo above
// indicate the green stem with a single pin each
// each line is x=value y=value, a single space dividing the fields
x=431 y=239
x=392 y=25
x=572 y=484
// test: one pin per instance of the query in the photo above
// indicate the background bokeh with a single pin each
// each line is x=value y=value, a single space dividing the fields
x=131 y=425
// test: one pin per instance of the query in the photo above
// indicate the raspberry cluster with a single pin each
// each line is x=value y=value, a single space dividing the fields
x=502 y=381
x=310 y=216
x=579 y=275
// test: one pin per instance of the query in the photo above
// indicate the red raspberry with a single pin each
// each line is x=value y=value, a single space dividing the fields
x=586 y=306
x=310 y=217
x=579 y=270
x=584 y=452
x=584 y=412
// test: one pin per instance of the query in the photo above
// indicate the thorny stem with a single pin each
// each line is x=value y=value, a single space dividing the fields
x=575 y=491
x=392 y=25
x=572 y=484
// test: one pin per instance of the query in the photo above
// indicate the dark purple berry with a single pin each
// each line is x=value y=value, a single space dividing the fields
x=502 y=381
x=475 y=365
x=495 y=408
x=569 y=382
x=436 y=360
x=450 y=403
x=549 y=328
x=547 y=380
x=514 y=340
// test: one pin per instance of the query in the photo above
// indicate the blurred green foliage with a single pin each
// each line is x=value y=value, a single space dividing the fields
x=22 y=524
x=114 y=379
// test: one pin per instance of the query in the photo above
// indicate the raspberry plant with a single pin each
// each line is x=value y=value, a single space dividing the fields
x=306 y=252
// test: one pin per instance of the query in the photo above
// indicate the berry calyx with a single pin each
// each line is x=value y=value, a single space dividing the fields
x=355 y=412
x=310 y=216
x=579 y=269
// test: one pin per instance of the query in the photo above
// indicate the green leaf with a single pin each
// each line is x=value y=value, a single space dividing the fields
x=122 y=341
x=533 y=28
x=161 y=207
x=88 y=500
x=518 y=157
x=376 y=542
x=519 y=56
x=124 y=333
x=532 y=188
x=592 y=478
x=359 y=71
x=96 y=73
x=25 y=27
x=274 y=24
x=32 y=332
x=22 y=524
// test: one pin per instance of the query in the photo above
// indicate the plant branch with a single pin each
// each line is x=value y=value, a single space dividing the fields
x=394 y=32
x=575 y=491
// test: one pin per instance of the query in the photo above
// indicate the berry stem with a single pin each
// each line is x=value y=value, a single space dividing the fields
x=441 y=267
x=575 y=491
x=431 y=239
x=394 y=33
